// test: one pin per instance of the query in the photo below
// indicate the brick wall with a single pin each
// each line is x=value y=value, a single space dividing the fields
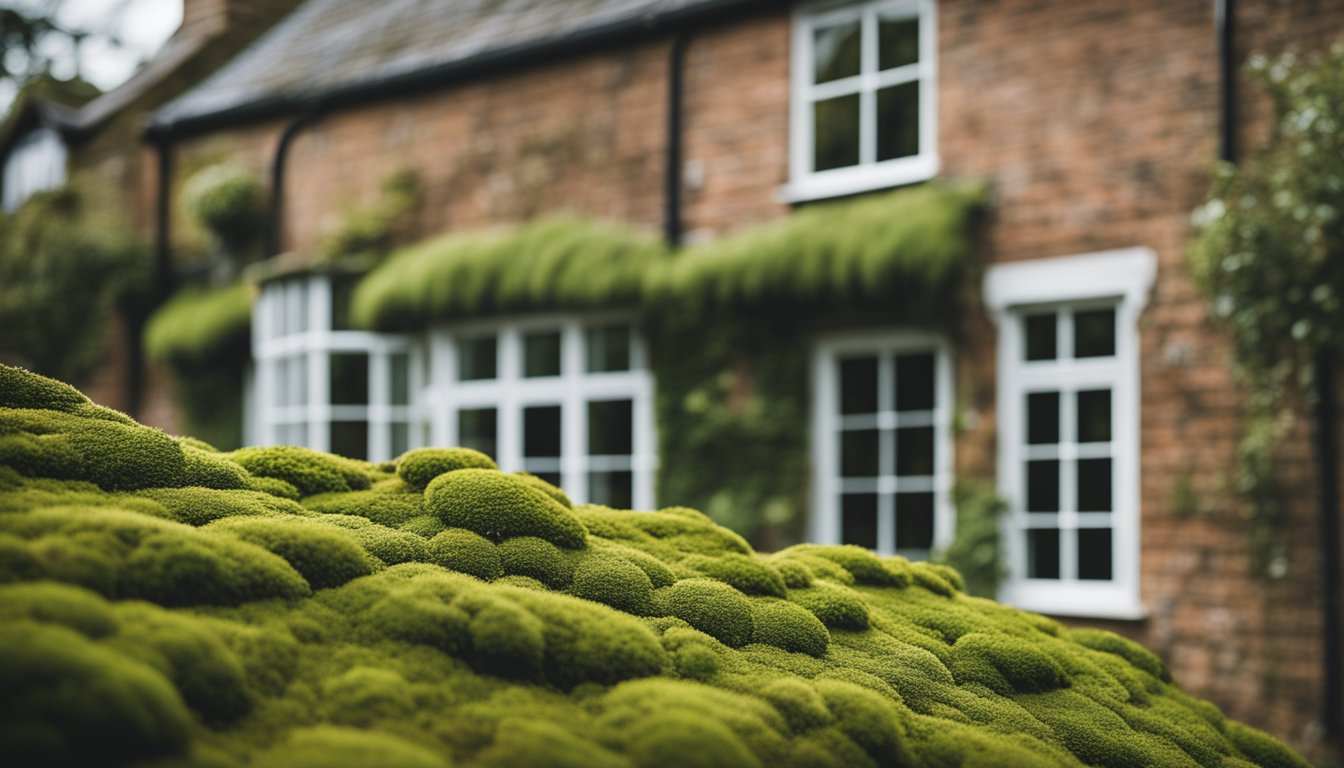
x=1096 y=123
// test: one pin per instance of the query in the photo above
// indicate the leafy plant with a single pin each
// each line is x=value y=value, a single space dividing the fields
x=230 y=203
x=1270 y=258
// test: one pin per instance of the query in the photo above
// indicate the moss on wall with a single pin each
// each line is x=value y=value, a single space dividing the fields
x=203 y=335
x=275 y=634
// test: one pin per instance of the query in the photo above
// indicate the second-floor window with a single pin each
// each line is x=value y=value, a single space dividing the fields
x=864 y=100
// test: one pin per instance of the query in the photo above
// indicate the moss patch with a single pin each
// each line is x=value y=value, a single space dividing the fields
x=232 y=626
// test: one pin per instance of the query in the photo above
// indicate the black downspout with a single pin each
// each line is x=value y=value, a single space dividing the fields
x=1327 y=500
x=162 y=279
x=274 y=227
x=672 y=227
x=1224 y=19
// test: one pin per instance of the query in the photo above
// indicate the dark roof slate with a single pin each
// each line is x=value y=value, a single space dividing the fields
x=328 y=46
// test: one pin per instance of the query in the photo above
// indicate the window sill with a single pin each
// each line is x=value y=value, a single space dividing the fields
x=1075 y=600
x=851 y=181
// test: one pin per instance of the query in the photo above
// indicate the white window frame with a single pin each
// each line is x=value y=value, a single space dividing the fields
x=1120 y=278
x=826 y=482
x=36 y=162
x=510 y=392
x=806 y=184
x=304 y=304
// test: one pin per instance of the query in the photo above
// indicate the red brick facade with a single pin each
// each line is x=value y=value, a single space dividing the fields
x=1096 y=124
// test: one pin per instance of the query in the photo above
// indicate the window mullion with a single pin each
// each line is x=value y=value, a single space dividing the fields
x=573 y=413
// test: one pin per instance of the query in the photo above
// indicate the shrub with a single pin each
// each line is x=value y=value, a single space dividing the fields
x=499 y=506
x=229 y=202
x=712 y=607
x=422 y=465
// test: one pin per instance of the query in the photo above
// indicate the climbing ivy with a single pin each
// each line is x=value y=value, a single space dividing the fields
x=1269 y=255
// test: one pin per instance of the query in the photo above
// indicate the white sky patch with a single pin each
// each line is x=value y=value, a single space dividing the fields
x=123 y=35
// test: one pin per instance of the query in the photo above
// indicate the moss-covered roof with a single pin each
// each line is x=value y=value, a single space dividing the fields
x=200 y=323
x=552 y=263
x=159 y=599
x=911 y=245
x=916 y=241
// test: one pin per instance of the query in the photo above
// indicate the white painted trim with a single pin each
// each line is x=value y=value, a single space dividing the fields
x=804 y=183
x=509 y=393
x=824 y=522
x=1123 y=279
x=1127 y=274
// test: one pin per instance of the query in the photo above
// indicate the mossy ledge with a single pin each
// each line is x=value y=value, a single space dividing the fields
x=145 y=619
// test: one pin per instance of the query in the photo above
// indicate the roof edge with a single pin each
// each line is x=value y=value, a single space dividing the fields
x=161 y=129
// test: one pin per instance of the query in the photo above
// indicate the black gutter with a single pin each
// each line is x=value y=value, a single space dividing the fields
x=672 y=180
x=490 y=62
x=1224 y=21
x=275 y=222
x=1326 y=448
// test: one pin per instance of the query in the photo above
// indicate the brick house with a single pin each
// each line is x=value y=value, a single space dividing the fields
x=52 y=136
x=1081 y=375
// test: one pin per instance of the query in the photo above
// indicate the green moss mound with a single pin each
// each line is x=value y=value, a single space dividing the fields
x=420 y=466
x=148 y=620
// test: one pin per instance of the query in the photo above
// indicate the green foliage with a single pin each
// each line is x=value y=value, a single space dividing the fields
x=558 y=263
x=372 y=231
x=859 y=249
x=64 y=262
x=145 y=626
x=421 y=465
x=203 y=335
x=976 y=552
x=499 y=506
x=1269 y=256
x=230 y=203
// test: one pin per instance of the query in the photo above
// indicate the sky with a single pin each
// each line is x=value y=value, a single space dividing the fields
x=125 y=33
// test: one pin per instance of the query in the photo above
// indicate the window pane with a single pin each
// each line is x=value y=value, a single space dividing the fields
x=858 y=519
x=898 y=121
x=350 y=438
x=477 y=428
x=298 y=380
x=611 y=428
x=1042 y=418
x=608 y=348
x=399 y=438
x=914 y=451
x=349 y=378
x=1040 y=333
x=476 y=358
x=835 y=52
x=551 y=477
x=1094 y=333
x=858 y=453
x=541 y=431
x=611 y=489
x=282 y=385
x=836 y=132
x=399 y=372
x=1043 y=486
x=914 y=383
x=858 y=385
x=1094 y=485
x=1094 y=416
x=1043 y=553
x=897 y=41
x=1094 y=554
x=541 y=354
x=914 y=521
x=341 y=290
